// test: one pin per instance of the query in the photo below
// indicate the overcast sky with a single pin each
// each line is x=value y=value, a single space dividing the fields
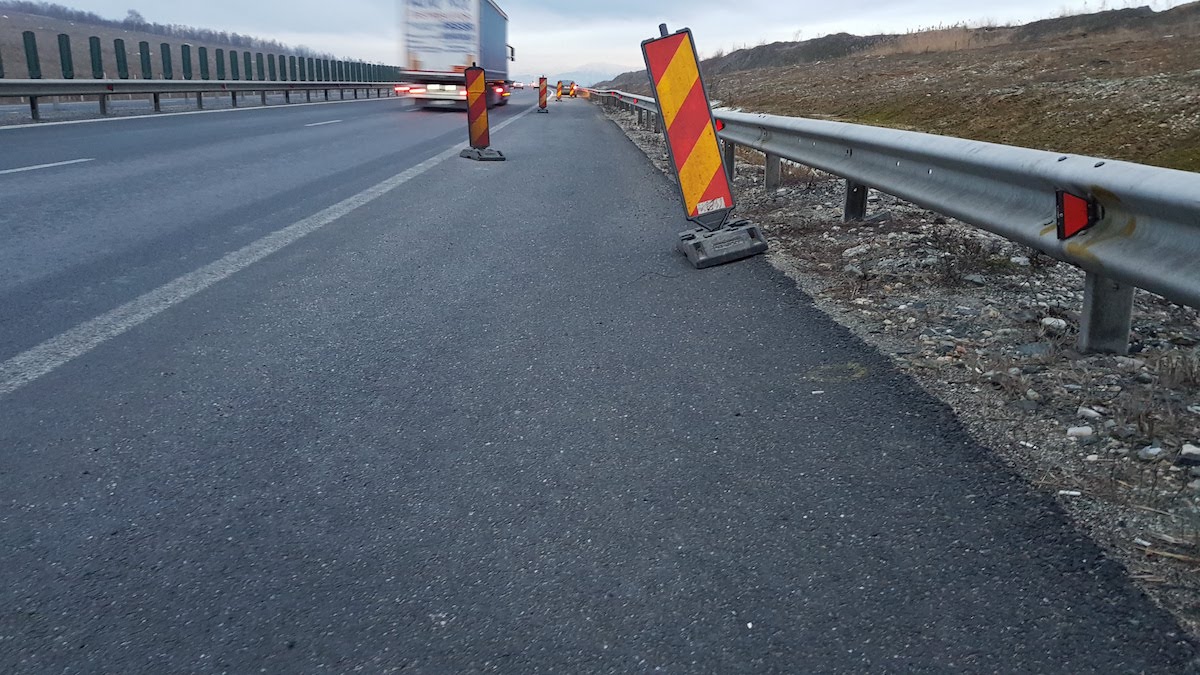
x=561 y=35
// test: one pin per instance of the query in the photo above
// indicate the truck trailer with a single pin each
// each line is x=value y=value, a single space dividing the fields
x=442 y=38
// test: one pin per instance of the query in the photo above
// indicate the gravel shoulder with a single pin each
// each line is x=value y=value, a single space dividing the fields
x=988 y=326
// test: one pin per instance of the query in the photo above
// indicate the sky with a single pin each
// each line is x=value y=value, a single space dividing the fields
x=555 y=36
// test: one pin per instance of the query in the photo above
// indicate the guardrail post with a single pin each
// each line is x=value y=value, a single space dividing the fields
x=199 y=100
x=657 y=123
x=32 y=61
x=730 y=150
x=263 y=95
x=33 y=109
x=1 y=65
x=270 y=66
x=97 y=58
x=64 y=56
x=1107 y=315
x=219 y=59
x=202 y=57
x=856 y=202
x=773 y=170
x=641 y=118
x=185 y=61
x=144 y=54
x=122 y=58
x=168 y=69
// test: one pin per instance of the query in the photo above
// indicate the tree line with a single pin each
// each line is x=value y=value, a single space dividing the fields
x=135 y=21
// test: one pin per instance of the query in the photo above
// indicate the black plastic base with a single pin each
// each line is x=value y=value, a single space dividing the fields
x=732 y=242
x=484 y=155
x=545 y=110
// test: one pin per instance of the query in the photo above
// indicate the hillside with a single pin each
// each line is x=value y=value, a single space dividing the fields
x=1123 y=84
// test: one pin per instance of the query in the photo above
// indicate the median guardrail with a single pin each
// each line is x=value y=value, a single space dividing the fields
x=239 y=71
x=1144 y=229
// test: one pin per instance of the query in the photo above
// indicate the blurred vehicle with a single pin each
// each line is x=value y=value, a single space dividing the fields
x=442 y=39
x=518 y=85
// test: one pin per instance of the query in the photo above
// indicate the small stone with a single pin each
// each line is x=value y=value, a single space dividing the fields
x=1054 y=325
x=1033 y=395
x=1088 y=413
x=1195 y=485
x=1035 y=349
x=1150 y=453
x=855 y=271
x=1145 y=378
x=856 y=251
x=1019 y=261
x=976 y=279
x=1079 y=432
x=1189 y=455
x=1092 y=458
x=1195 y=471
x=1130 y=363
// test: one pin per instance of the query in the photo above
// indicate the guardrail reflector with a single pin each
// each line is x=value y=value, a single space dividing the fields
x=691 y=136
x=1075 y=214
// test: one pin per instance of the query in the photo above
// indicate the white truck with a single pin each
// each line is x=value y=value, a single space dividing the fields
x=442 y=38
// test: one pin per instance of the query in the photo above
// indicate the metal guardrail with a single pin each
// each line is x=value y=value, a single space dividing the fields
x=247 y=72
x=35 y=89
x=1148 y=236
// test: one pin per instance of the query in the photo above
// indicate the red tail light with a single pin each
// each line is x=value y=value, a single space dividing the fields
x=499 y=90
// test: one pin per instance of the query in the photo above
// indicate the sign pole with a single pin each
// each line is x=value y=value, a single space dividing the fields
x=477 y=118
x=542 y=95
x=704 y=187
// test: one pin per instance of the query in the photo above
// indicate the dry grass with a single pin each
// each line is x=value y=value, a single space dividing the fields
x=951 y=39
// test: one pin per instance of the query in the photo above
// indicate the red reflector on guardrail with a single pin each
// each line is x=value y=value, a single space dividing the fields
x=720 y=125
x=1075 y=214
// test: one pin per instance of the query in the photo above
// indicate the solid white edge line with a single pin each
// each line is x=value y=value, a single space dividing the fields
x=321 y=124
x=35 y=167
x=49 y=355
x=154 y=115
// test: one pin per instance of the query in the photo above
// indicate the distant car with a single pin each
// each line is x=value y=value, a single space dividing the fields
x=518 y=85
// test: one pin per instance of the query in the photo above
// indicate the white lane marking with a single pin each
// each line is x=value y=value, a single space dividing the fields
x=46 y=357
x=47 y=166
x=321 y=124
x=154 y=116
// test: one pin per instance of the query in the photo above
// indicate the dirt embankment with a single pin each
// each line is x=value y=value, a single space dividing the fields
x=1123 y=84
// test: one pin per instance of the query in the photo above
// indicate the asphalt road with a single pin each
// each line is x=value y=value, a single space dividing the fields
x=484 y=420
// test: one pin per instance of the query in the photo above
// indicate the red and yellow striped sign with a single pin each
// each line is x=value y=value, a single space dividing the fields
x=691 y=138
x=542 y=93
x=477 y=99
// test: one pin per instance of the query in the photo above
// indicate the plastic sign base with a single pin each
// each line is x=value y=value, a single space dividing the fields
x=543 y=110
x=705 y=248
x=484 y=155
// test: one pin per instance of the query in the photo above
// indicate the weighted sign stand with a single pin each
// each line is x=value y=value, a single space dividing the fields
x=692 y=142
x=477 y=119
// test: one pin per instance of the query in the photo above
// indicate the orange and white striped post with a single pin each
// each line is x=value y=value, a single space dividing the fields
x=704 y=186
x=477 y=117
x=542 y=95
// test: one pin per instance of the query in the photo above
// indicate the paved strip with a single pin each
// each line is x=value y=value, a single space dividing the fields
x=321 y=124
x=46 y=166
x=44 y=358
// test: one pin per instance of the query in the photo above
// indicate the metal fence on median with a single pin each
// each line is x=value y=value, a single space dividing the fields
x=1148 y=235
x=197 y=70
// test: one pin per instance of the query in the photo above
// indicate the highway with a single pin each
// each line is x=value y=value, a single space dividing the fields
x=297 y=389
